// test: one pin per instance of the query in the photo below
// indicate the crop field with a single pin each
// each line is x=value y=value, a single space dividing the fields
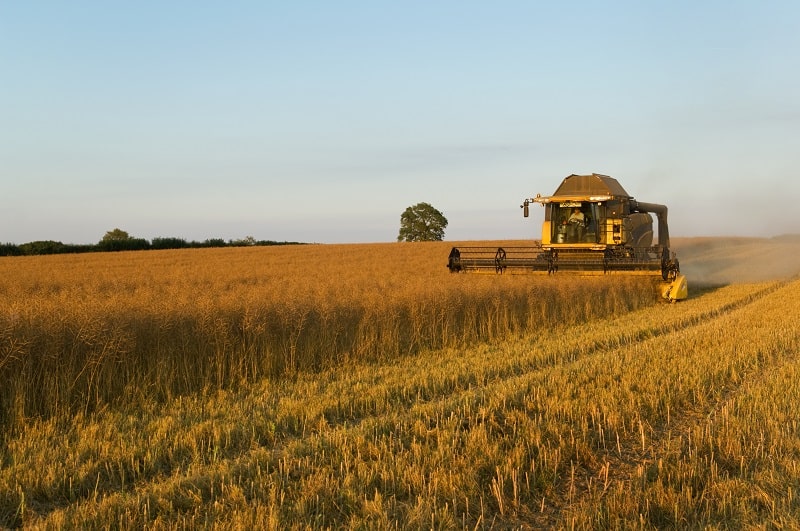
x=364 y=386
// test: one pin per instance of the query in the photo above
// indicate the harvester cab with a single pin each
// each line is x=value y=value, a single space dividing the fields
x=591 y=226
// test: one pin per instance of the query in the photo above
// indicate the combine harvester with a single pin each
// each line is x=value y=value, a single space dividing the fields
x=591 y=227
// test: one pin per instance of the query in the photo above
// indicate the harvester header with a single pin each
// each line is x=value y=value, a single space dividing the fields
x=591 y=226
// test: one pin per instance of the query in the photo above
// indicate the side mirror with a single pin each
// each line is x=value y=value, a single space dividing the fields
x=525 y=209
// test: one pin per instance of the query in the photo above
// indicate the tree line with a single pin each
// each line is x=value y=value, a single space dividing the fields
x=119 y=240
x=418 y=223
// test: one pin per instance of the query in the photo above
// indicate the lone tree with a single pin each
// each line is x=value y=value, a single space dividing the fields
x=116 y=235
x=422 y=223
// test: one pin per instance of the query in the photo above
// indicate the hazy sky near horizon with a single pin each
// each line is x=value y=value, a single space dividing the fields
x=322 y=121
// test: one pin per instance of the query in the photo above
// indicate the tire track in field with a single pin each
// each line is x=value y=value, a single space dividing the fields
x=463 y=376
x=631 y=462
x=414 y=404
x=513 y=376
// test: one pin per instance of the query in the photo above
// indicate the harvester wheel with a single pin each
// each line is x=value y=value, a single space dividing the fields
x=499 y=260
x=552 y=262
x=454 y=260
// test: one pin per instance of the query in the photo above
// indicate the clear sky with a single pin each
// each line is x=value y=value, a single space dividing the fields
x=322 y=121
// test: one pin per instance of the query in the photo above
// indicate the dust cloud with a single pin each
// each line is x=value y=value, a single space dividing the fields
x=726 y=260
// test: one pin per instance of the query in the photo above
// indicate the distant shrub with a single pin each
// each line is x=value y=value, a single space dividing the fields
x=42 y=247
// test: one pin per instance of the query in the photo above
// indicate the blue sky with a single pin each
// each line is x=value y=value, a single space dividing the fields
x=323 y=121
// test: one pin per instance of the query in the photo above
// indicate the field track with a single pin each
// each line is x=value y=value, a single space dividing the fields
x=667 y=416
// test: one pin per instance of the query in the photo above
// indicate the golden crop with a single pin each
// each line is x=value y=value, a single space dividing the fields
x=514 y=402
x=77 y=331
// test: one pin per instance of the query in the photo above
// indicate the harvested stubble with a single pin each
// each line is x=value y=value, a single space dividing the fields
x=77 y=331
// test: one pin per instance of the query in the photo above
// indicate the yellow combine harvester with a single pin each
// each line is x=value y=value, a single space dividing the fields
x=591 y=226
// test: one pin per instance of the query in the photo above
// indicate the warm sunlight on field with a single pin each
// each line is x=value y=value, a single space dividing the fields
x=82 y=330
x=365 y=386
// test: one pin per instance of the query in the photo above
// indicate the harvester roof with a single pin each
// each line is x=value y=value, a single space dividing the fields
x=590 y=185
